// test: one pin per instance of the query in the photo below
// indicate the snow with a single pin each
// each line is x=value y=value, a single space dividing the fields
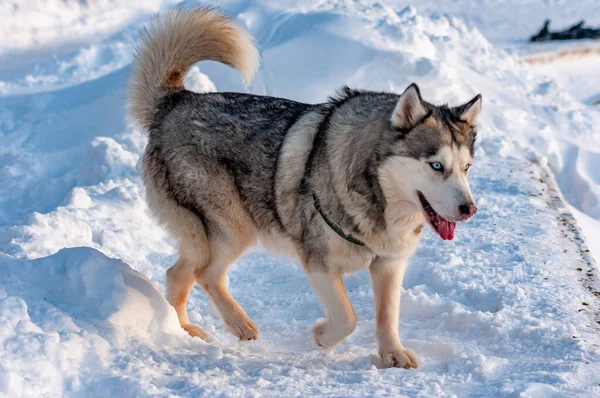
x=591 y=229
x=579 y=178
x=574 y=75
x=510 y=24
x=508 y=308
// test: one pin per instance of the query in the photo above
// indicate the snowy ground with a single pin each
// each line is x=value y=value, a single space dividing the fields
x=579 y=75
x=575 y=75
x=508 y=308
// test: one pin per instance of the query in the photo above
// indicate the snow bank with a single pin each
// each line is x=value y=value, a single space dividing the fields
x=98 y=290
x=62 y=316
x=508 y=308
x=42 y=23
x=509 y=24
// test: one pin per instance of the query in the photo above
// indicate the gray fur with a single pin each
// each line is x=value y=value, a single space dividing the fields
x=200 y=142
x=222 y=170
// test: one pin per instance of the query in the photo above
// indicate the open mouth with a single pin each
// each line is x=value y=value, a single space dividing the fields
x=443 y=227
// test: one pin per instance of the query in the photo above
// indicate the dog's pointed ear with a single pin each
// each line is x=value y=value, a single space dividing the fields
x=469 y=111
x=410 y=108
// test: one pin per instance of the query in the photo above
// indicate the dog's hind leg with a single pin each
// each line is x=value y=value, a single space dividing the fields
x=180 y=281
x=212 y=279
x=340 y=318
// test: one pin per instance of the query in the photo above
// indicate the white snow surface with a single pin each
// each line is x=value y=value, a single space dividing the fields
x=509 y=308
x=576 y=75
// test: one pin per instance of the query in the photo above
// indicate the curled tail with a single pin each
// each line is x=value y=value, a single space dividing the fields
x=173 y=44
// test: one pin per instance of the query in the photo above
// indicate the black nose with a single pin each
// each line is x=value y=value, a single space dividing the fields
x=467 y=210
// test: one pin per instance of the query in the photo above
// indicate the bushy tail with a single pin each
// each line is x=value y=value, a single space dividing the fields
x=173 y=44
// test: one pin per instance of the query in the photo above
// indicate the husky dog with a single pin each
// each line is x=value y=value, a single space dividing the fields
x=344 y=185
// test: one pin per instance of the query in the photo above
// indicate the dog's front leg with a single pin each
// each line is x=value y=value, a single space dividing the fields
x=340 y=318
x=387 y=276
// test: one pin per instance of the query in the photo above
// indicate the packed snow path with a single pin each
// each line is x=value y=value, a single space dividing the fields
x=507 y=308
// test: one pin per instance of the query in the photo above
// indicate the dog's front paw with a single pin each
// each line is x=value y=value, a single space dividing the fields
x=327 y=335
x=398 y=357
x=243 y=328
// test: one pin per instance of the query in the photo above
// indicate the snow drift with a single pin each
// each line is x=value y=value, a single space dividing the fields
x=506 y=308
x=95 y=288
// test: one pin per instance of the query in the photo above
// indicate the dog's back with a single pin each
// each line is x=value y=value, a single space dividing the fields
x=220 y=148
x=207 y=151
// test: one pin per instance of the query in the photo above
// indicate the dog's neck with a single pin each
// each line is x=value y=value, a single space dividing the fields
x=404 y=223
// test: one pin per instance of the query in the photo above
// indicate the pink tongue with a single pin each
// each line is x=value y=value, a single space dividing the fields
x=445 y=228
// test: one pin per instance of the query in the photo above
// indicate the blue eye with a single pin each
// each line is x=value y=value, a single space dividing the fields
x=437 y=166
x=467 y=167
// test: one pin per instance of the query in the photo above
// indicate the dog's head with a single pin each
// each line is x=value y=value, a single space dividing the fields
x=431 y=159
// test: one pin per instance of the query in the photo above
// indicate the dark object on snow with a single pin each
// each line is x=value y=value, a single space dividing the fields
x=574 y=32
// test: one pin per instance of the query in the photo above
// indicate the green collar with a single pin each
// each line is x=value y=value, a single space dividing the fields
x=336 y=228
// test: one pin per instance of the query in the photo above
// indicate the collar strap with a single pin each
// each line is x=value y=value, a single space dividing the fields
x=336 y=228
